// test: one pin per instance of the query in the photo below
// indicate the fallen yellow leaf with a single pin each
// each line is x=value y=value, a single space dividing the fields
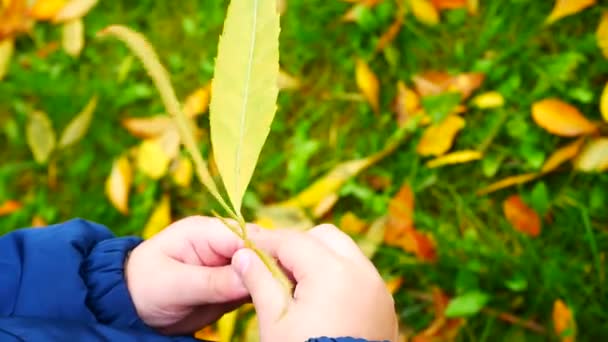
x=252 y=329
x=406 y=103
x=152 y=160
x=368 y=84
x=562 y=155
x=561 y=118
x=14 y=19
x=604 y=103
x=74 y=9
x=148 y=127
x=159 y=219
x=593 y=157
x=197 y=103
x=458 y=157
x=490 y=99
x=78 y=127
x=523 y=218
x=391 y=33
x=40 y=136
x=372 y=239
x=439 y=138
x=46 y=9
x=352 y=224
x=394 y=284
x=118 y=184
x=226 y=324
x=7 y=48
x=564 y=8
x=563 y=321
x=473 y=6
x=280 y=216
x=182 y=172
x=424 y=11
x=507 y=182
x=602 y=34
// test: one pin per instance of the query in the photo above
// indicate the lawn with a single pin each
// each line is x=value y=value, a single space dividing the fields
x=501 y=274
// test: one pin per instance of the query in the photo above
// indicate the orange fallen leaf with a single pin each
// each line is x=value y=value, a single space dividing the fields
x=394 y=284
x=449 y=4
x=561 y=118
x=420 y=244
x=119 y=183
x=405 y=104
x=9 y=207
x=457 y=157
x=521 y=216
x=507 y=182
x=46 y=9
x=562 y=155
x=593 y=157
x=368 y=84
x=425 y=12
x=390 y=34
x=38 y=222
x=14 y=19
x=564 y=8
x=207 y=333
x=563 y=321
x=352 y=224
x=602 y=34
x=439 y=138
x=442 y=328
x=400 y=214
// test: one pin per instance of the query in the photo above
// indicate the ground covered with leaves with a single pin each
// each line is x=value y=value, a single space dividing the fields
x=463 y=144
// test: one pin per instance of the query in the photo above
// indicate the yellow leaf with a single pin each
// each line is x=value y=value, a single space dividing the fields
x=352 y=224
x=152 y=159
x=225 y=326
x=473 y=6
x=197 y=103
x=281 y=6
x=373 y=238
x=562 y=155
x=491 y=99
x=46 y=9
x=394 y=284
x=75 y=9
x=280 y=216
x=561 y=118
x=368 y=84
x=594 y=156
x=40 y=136
x=148 y=127
x=7 y=48
x=72 y=37
x=244 y=91
x=425 y=12
x=14 y=19
x=439 y=138
x=79 y=126
x=252 y=330
x=159 y=219
x=287 y=82
x=406 y=103
x=507 y=182
x=118 y=184
x=604 y=103
x=602 y=34
x=38 y=222
x=458 y=157
x=182 y=173
x=564 y=8
x=563 y=321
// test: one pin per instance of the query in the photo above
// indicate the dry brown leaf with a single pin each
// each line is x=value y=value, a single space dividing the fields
x=46 y=9
x=563 y=321
x=593 y=157
x=352 y=224
x=9 y=207
x=561 y=118
x=7 y=48
x=602 y=34
x=603 y=103
x=159 y=219
x=564 y=8
x=508 y=182
x=74 y=9
x=488 y=100
x=368 y=84
x=390 y=34
x=14 y=19
x=406 y=103
x=458 y=157
x=148 y=127
x=118 y=184
x=562 y=155
x=449 y=4
x=425 y=12
x=439 y=138
x=523 y=218
x=72 y=37
x=197 y=103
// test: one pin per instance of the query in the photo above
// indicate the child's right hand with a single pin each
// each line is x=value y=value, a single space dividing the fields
x=338 y=292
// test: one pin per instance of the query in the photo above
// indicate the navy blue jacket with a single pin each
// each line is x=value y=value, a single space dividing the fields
x=65 y=282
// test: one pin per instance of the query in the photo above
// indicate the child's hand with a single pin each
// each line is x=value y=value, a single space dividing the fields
x=181 y=280
x=338 y=291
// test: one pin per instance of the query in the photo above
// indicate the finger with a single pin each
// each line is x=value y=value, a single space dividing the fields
x=299 y=253
x=199 y=285
x=339 y=242
x=202 y=316
x=264 y=289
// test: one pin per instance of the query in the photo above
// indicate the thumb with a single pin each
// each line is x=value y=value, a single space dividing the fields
x=265 y=291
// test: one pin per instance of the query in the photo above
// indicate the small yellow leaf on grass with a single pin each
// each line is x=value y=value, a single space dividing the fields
x=562 y=155
x=352 y=224
x=594 y=156
x=74 y=9
x=79 y=126
x=439 y=138
x=368 y=84
x=473 y=6
x=390 y=34
x=148 y=127
x=564 y=8
x=563 y=321
x=604 y=103
x=458 y=157
x=7 y=48
x=182 y=173
x=226 y=324
x=118 y=184
x=9 y=207
x=197 y=103
x=280 y=216
x=425 y=12
x=159 y=219
x=46 y=9
x=561 y=118
x=521 y=216
x=152 y=160
x=490 y=99
x=406 y=103
x=507 y=182
x=40 y=136
x=72 y=37
x=602 y=34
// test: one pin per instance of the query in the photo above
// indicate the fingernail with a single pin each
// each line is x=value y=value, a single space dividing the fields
x=241 y=261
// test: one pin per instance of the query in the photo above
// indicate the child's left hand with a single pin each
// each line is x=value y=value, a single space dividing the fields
x=181 y=279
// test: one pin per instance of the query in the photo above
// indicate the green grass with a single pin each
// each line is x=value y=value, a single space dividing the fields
x=316 y=129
